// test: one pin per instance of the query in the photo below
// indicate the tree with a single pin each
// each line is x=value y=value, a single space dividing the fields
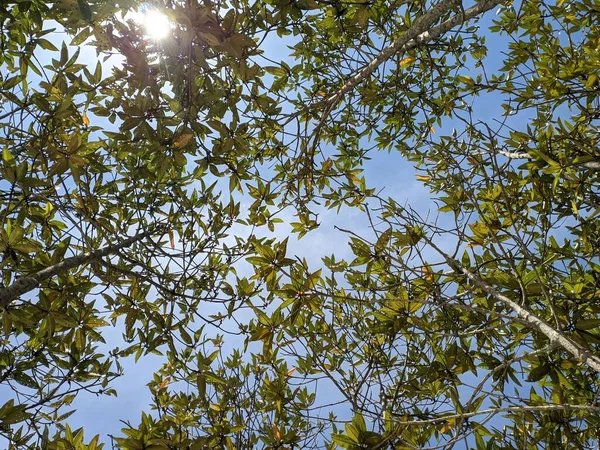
x=137 y=196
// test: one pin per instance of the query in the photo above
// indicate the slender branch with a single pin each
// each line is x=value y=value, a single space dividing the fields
x=504 y=365
x=541 y=408
x=27 y=283
x=593 y=164
x=422 y=31
x=492 y=411
x=555 y=336
x=514 y=155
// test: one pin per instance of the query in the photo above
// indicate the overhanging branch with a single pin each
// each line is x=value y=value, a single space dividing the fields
x=27 y=283
x=554 y=336
x=421 y=32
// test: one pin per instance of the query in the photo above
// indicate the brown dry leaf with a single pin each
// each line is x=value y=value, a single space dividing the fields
x=164 y=384
x=210 y=39
x=291 y=372
x=183 y=140
x=172 y=239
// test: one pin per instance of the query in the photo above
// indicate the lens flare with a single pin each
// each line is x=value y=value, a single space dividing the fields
x=157 y=25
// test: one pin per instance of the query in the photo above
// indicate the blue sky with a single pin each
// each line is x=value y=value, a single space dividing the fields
x=387 y=172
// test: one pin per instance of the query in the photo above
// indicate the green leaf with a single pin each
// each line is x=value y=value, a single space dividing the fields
x=587 y=324
x=25 y=380
x=344 y=441
x=85 y=10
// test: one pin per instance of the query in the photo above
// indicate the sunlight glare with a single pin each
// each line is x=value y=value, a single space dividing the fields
x=156 y=24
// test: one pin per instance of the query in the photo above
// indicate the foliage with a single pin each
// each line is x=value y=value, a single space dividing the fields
x=150 y=192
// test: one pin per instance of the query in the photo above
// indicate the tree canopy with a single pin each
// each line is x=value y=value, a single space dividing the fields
x=150 y=190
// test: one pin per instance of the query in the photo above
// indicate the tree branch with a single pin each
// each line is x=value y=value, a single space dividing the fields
x=555 y=336
x=27 y=283
x=540 y=408
x=422 y=31
x=593 y=164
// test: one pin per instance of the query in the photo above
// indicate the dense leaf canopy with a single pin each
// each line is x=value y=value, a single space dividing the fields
x=151 y=188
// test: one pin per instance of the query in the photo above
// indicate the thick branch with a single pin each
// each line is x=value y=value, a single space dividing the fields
x=27 y=283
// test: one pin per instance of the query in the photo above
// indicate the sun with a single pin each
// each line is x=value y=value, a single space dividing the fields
x=156 y=25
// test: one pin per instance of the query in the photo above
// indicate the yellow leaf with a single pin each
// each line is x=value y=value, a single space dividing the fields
x=321 y=94
x=432 y=129
x=210 y=39
x=85 y=119
x=215 y=407
x=79 y=201
x=276 y=432
x=183 y=140
x=164 y=384
x=407 y=61
x=423 y=177
x=447 y=426
x=291 y=372
x=427 y=273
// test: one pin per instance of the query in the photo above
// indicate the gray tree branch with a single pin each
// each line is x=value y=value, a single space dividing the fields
x=27 y=283
x=593 y=164
x=422 y=31
x=491 y=411
x=554 y=336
